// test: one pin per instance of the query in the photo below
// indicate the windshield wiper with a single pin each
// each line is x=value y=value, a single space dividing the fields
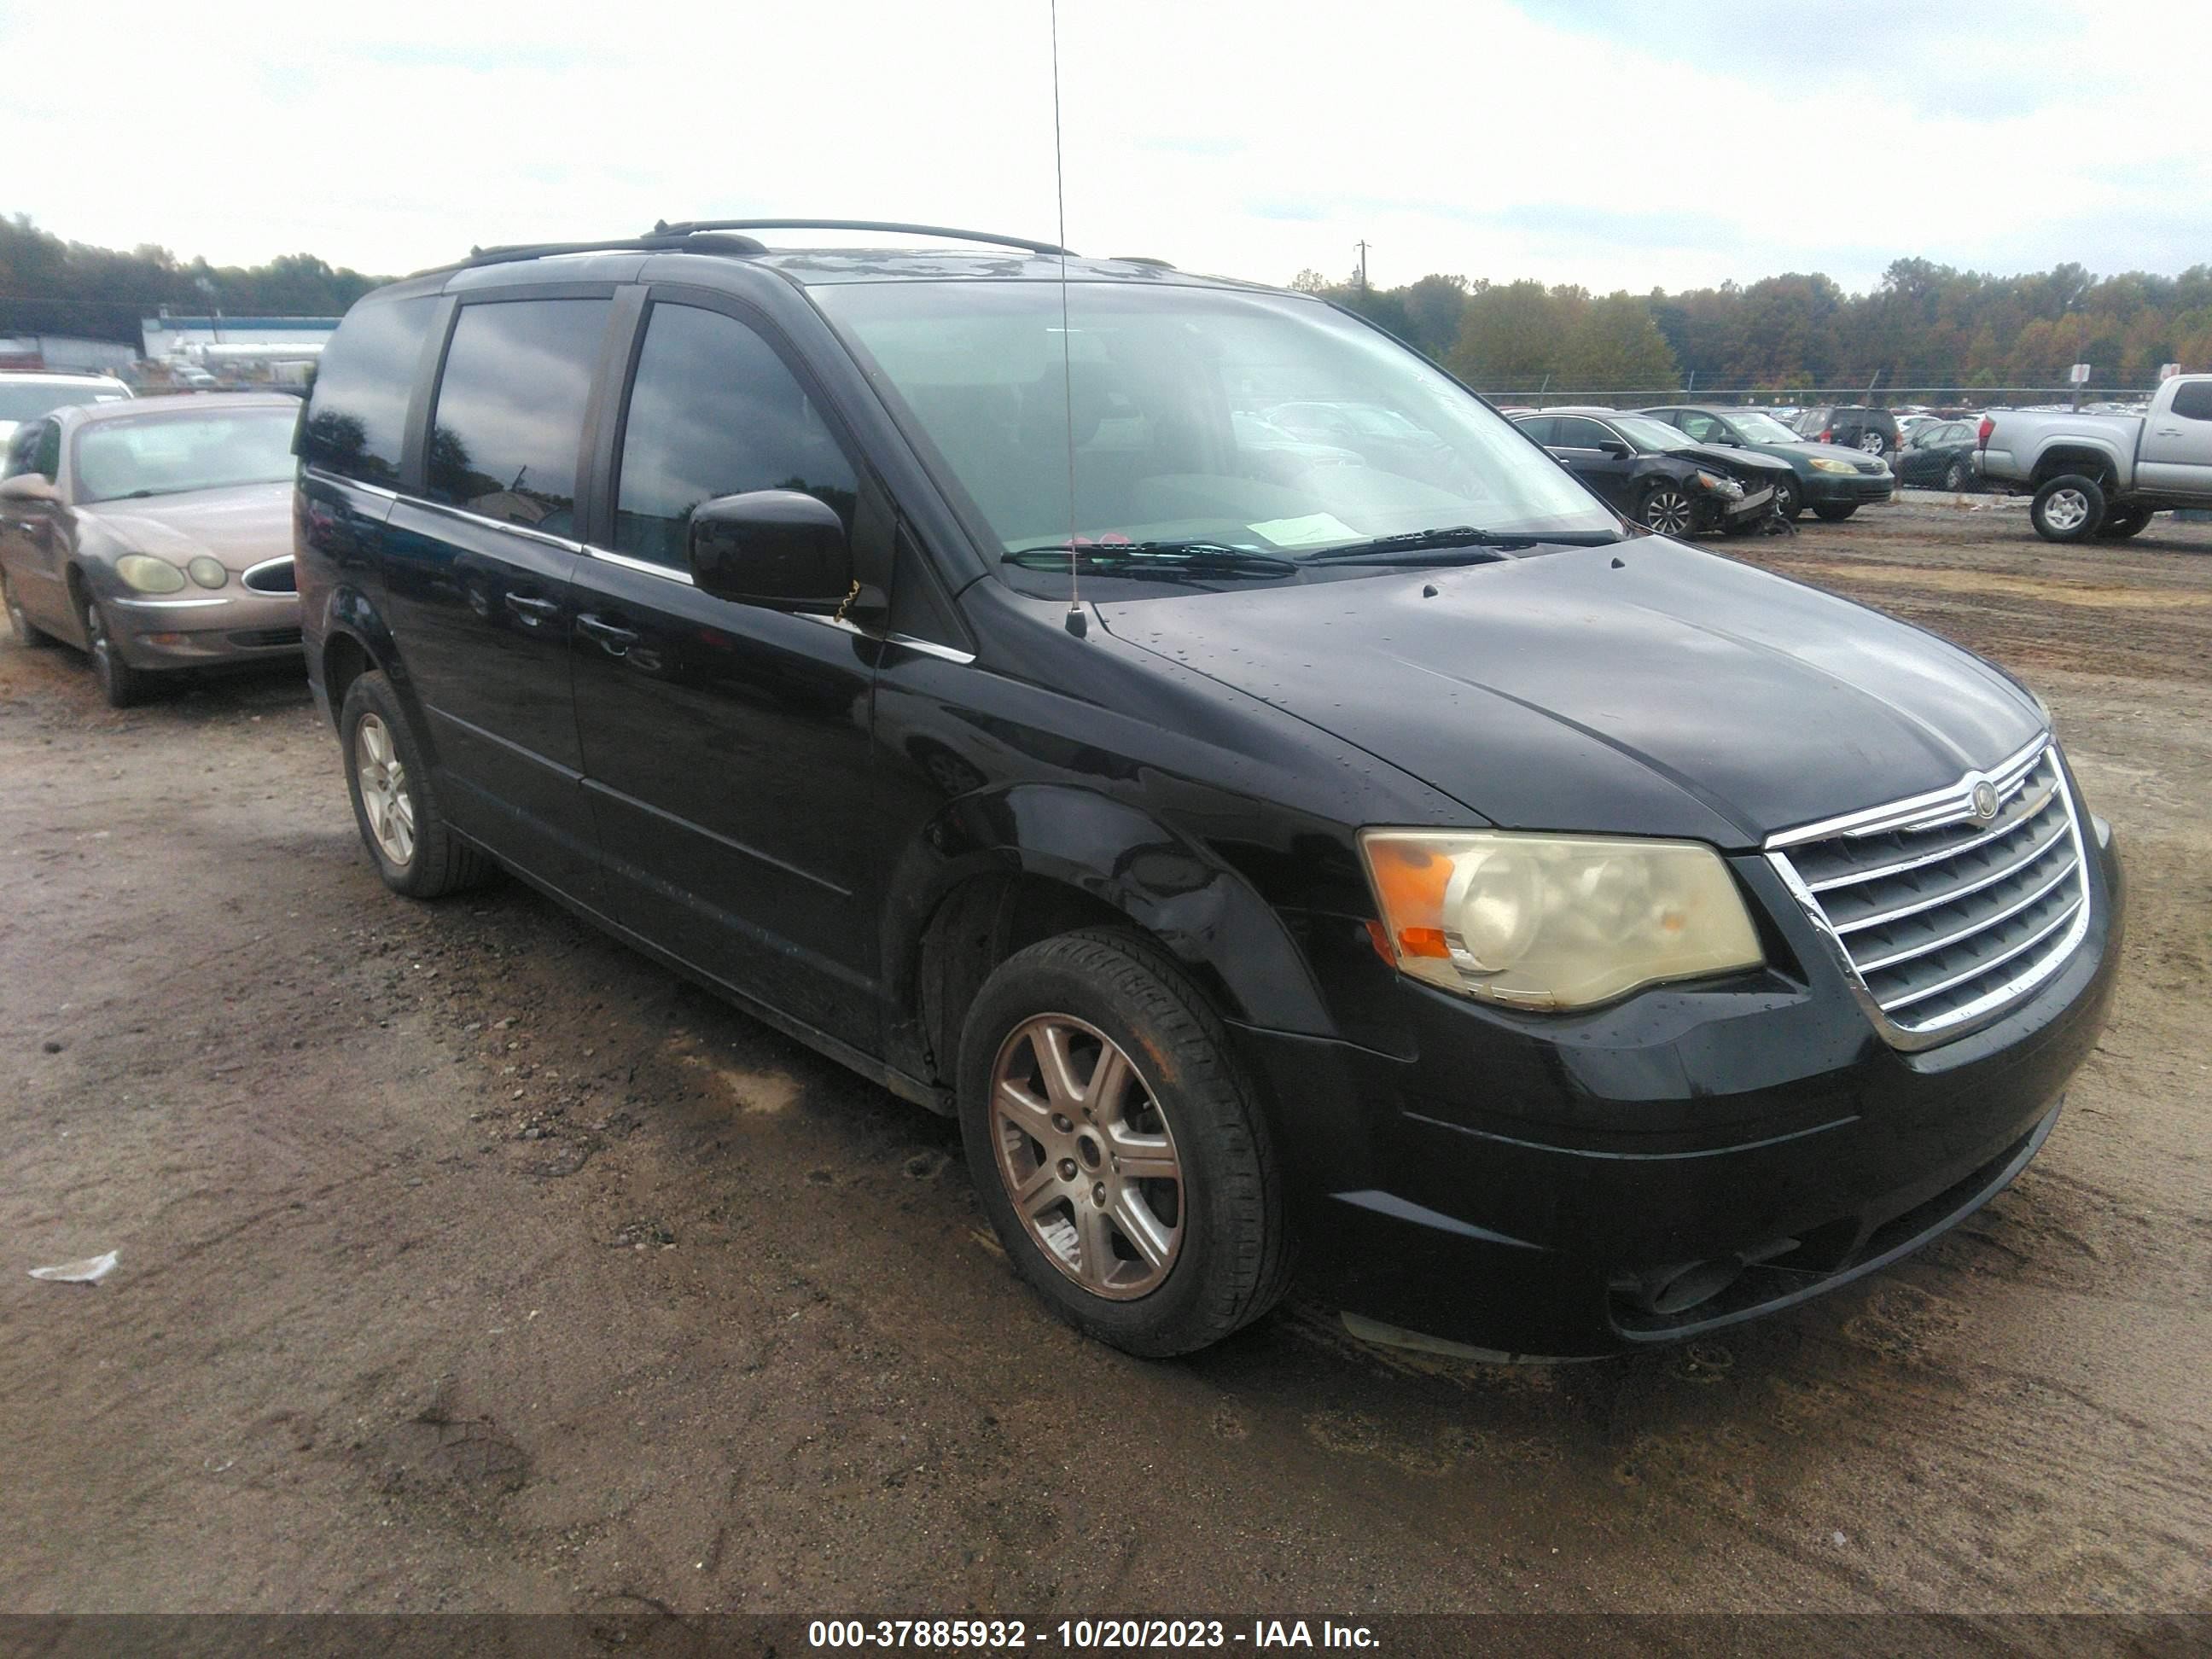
x=1153 y=558
x=1451 y=544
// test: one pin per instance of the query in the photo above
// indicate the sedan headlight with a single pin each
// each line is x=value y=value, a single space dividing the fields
x=1830 y=463
x=207 y=572
x=149 y=574
x=1728 y=488
x=1554 y=921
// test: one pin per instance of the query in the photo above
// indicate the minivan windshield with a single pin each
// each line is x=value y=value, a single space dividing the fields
x=167 y=454
x=1243 y=420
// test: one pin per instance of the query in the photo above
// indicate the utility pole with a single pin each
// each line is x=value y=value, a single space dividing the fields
x=1362 y=246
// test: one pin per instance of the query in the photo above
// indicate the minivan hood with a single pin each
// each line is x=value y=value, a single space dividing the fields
x=241 y=525
x=1642 y=687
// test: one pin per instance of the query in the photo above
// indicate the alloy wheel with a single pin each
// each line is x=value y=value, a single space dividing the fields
x=1872 y=443
x=384 y=798
x=2066 y=510
x=1667 y=512
x=1087 y=1156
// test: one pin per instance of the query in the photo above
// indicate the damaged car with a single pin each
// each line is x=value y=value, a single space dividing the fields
x=1532 y=935
x=1657 y=474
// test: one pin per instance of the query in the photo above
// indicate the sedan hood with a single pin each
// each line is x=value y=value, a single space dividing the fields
x=1737 y=461
x=242 y=527
x=1644 y=688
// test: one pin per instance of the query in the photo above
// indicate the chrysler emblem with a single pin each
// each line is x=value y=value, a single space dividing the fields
x=1985 y=801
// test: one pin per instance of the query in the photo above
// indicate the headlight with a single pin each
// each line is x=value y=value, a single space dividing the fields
x=1829 y=463
x=148 y=574
x=207 y=572
x=1726 y=487
x=1554 y=921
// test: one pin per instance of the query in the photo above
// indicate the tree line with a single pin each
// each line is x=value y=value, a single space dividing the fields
x=1924 y=325
x=48 y=286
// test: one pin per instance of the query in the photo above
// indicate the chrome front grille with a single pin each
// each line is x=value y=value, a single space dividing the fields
x=1945 y=915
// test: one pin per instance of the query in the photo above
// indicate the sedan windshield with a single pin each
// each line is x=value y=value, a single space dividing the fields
x=1763 y=428
x=1649 y=433
x=168 y=454
x=1245 y=420
x=25 y=400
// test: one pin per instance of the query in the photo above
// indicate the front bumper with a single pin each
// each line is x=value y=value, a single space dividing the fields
x=1556 y=1188
x=1856 y=486
x=196 y=631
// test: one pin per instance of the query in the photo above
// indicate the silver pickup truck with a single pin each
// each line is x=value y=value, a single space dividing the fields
x=2104 y=475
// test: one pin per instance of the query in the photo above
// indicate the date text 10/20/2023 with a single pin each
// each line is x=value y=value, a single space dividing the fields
x=998 y=1635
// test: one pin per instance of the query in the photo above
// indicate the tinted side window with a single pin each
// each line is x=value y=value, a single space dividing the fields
x=1538 y=427
x=47 y=451
x=713 y=411
x=2193 y=402
x=1701 y=427
x=1579 y=432
x=509 y=414
x=356 y=417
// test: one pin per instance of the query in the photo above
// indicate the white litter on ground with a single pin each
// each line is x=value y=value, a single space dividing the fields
x=90 y=1271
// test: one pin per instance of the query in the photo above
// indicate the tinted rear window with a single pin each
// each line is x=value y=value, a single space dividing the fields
x=510 y=410
x=356 y=419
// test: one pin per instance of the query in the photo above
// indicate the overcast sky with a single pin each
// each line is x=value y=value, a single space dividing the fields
x=1610 y=143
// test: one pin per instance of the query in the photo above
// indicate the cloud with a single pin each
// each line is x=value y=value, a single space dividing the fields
x=1602 y=144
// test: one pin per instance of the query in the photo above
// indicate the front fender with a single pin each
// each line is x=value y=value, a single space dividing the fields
x=1166 y=883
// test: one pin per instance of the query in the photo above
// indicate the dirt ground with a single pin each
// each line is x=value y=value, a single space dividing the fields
x=468 y=1261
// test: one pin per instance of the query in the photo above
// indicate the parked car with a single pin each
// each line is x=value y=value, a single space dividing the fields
x=1869 y=431
x=1657 y=474
x=1834 y=482
x=2104 y=475
x=154 y=536
x=24 y=396
x=1938 y=454
x=1570 y=939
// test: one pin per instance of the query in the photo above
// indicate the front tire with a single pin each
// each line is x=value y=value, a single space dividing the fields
x=2121 y=522
x=1835 y=511
x=1667 y=508
x=2068 y=508
x=1788 y=500
x=394 y=807
x=1117 y=1148
x=122 y=685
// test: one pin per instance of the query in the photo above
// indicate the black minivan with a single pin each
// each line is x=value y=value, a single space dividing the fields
x=1552 y=938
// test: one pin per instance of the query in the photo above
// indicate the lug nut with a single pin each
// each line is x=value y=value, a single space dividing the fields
x=1061 y=1123
x=1098 y=1192
x=1068 y=1169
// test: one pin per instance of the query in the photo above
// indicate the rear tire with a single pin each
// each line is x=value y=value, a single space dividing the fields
x=1958 y=477
x=2121 y=522
x=1835 y=511
x=28 y=633
x=2068 y=508
x=394 y=806
x=1217 y=1254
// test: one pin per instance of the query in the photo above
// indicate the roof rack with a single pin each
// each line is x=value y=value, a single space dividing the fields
x=693 y=226
x=669 y=243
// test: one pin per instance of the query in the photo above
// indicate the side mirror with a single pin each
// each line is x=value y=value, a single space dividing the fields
x=772 y=547
x=28 y=487
x=1614 y=447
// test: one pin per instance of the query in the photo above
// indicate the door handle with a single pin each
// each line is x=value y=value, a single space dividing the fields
x=535 y=609
x=613 y=636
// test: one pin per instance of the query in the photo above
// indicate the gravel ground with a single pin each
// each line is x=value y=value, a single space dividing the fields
x=468 y=1261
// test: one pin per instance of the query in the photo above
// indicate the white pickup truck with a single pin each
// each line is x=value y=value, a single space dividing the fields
x=2104 y=475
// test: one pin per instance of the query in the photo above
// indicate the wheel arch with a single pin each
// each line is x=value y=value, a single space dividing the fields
x=355 y=642
x=993 y=874
x=2090 y=460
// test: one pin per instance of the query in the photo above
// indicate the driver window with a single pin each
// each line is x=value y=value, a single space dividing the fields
x=1579 y=432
